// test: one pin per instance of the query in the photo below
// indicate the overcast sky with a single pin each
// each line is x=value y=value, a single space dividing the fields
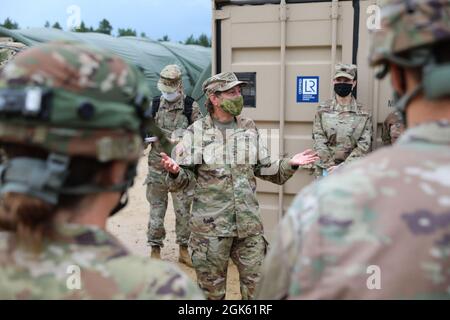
x=176 y=18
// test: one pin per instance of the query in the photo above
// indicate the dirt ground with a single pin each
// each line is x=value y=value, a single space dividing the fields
x=130 y=227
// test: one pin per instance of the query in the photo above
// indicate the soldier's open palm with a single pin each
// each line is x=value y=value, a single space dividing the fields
x=169 y=164
x=306 y=157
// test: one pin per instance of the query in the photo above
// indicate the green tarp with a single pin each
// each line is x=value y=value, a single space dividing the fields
x=149 y=55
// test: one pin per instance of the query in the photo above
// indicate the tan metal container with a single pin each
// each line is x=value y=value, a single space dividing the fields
x=271 y=44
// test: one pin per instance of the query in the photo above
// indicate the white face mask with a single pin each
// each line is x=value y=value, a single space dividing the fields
x=170 y=96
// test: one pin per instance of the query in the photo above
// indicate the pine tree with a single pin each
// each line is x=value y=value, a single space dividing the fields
x=164 y=38
x=203 y=40
x=190 y=40
x=56 y=25
x=104 y=27
x=9 y=24
x=82 y=28
x=126 y=32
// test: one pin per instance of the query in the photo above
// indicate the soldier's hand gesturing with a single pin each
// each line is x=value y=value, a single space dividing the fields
x=169 y=164
x=306 y=157
x=333 y=168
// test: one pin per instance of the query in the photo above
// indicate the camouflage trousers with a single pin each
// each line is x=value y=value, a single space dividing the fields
x=210 y=257
x=157 y=196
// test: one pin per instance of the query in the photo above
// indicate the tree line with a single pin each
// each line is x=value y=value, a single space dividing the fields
x=105 y=27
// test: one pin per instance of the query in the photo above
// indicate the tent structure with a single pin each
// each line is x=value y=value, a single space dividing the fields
x=148 y=55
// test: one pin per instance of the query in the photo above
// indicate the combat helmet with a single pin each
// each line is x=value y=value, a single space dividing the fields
x=410 y=33
x=170 y=78
x=70 y=100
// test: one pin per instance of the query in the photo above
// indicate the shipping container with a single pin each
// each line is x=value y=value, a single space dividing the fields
x=286 y=49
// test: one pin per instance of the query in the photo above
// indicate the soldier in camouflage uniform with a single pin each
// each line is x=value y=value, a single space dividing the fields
x=392 y=128
x=380 y=228
x=342 y=129
x=8 y=49
x=71 y=122
x=223 y=154
x=173 y=117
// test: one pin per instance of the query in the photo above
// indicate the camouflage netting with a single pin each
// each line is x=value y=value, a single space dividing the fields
x=149 y=55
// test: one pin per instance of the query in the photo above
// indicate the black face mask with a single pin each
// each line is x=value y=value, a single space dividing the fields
x=343 y=89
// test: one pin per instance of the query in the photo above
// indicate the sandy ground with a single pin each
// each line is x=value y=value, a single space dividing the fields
x=130 y=226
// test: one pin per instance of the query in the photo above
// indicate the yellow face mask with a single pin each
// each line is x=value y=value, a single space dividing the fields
x=233 y=106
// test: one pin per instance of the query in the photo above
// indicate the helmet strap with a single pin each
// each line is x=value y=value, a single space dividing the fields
x=123 y=201
x=44 y=179
x=35 y=177
x=403 y=101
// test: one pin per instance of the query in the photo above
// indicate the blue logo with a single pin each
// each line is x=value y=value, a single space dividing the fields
x=307 y=89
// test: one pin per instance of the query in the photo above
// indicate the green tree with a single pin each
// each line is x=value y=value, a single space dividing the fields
x=104 y=27
x=47 y=24
x=143 y=35
x=164 y=38
x=203 y=40
x=126 y=32
x=56 y=25
x=9 y=24
x=190 y=40
x=83 y=28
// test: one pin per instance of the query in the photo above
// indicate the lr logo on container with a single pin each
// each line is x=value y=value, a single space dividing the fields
x=307 y=89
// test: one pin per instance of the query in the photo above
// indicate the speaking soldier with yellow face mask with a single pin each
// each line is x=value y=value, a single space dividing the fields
x=223 y=153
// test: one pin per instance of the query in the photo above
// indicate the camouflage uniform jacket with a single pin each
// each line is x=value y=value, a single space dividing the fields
x=225 y=203
x=389 y=211
x=106 y=269
x=171 y=119
x=341 y=133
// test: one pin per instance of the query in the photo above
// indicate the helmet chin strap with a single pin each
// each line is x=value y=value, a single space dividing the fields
x=123 y=201
x=42 y=179
x=45 y=180
x=403 y=101
x=129 y=181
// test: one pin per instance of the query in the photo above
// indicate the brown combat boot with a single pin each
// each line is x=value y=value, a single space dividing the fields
x=184 y=256
x=156 y=252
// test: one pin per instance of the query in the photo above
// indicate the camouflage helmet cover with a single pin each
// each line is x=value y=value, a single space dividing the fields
x=221 y=82
x=345 y=70
x=408 y=24
x=170 y=78
x=95 y=99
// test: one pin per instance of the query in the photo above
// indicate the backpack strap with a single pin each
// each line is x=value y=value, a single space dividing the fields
x=187 y=111
x=155 y=105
